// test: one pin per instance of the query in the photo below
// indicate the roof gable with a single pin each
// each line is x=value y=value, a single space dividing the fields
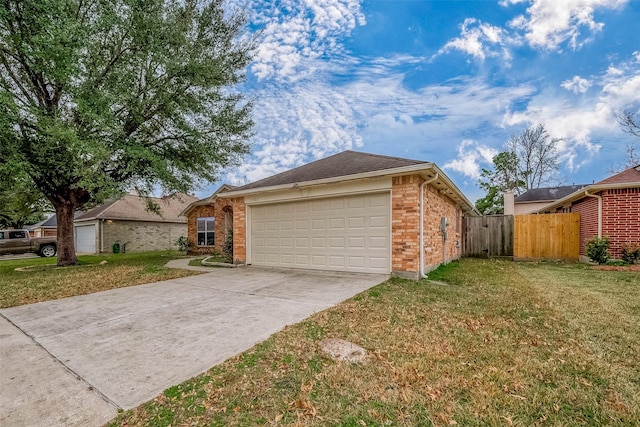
x=342 y=164
x=629 y=175
x=134 y=208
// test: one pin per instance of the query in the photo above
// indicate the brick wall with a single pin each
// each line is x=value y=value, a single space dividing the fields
x=239 y=229
x=437 y=206
x=621 y=218
x=140 y=236
x=215 y=210
x=405 y=227
x=588 y=210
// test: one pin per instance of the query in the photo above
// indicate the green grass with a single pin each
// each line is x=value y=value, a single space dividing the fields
x=44 y=281
x=500 y=343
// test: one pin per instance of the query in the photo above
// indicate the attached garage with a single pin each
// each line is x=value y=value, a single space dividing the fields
x=353 y=212
x=85 y=238
x=349 y=233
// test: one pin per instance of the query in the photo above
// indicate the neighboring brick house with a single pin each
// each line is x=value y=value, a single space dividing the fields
x=609 y=208
x=127 y=222
x=352 y=211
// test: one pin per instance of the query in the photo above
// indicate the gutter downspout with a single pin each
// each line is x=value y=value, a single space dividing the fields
x=586 y=193
x=422 y=187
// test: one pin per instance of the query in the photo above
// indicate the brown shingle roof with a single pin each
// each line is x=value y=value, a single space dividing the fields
x=547 y=193
x=629 y=175
x=341 y=164
x=134 y=208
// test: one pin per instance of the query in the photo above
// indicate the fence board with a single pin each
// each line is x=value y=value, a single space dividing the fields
x=488 y=236
x=554 y=236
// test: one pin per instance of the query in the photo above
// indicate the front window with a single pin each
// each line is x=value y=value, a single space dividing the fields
x=205 y=231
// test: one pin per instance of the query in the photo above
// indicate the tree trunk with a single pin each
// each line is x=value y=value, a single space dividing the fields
x=66 y=242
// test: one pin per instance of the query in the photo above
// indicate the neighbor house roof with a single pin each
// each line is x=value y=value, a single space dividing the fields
x=352 y=165
x=629 y=178
x=628 y=175
x=51 y=222
x=132 y=207
x=547 y=194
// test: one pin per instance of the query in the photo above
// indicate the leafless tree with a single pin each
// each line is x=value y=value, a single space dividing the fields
x=537 y=155
x=630 y=123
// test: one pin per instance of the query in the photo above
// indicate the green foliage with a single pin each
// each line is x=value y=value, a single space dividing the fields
x=227 y=249
x=503 y=177
x=97 y=98
x=21 y=203
x=184 y=244
x=598 y=249
x=631 y=252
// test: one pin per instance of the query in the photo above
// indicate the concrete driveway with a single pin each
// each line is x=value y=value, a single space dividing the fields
x=77 y=360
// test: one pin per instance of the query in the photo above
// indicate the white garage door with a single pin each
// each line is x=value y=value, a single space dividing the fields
x=86 y=238
x=349 y=233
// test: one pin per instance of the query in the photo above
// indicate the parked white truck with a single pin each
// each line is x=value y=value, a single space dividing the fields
x=19 y=242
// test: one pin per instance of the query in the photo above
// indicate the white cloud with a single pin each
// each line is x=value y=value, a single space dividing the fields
x=296 y=125
x=547 y=24
x=480 y=40
x=505 y=3
x=576 y=85
x=583 y=125
x=470 y=156
x=550 y=23
x=295 y=33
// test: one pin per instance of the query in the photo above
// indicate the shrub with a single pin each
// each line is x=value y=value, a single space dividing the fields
x=598 y=249
x=227 y=249
x=631 y=252
x=184 y=244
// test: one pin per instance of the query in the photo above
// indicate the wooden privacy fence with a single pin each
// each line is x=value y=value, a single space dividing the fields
x=552 y=236
x=488 y=236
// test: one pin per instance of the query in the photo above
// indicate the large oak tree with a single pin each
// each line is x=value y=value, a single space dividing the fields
x=101 y=96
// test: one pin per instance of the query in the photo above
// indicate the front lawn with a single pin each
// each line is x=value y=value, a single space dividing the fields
x=499 y=343
x=42 y=281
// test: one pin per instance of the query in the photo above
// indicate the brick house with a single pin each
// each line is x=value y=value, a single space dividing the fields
x=351 y=211
x=127 y=222
x=610 y=208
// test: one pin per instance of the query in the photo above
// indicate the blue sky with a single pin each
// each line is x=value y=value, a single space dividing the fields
x=441 y=81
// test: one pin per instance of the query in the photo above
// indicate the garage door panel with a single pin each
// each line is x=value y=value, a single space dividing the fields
x=356 y=202
x=336 y=243
x=348 y=234
x=356 y=262
x=379 y=221
x=319 y=242
x=318 y=260
x=378 y=243
x=380 y=263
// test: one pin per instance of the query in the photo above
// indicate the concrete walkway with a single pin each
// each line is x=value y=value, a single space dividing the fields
x=75 y=361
